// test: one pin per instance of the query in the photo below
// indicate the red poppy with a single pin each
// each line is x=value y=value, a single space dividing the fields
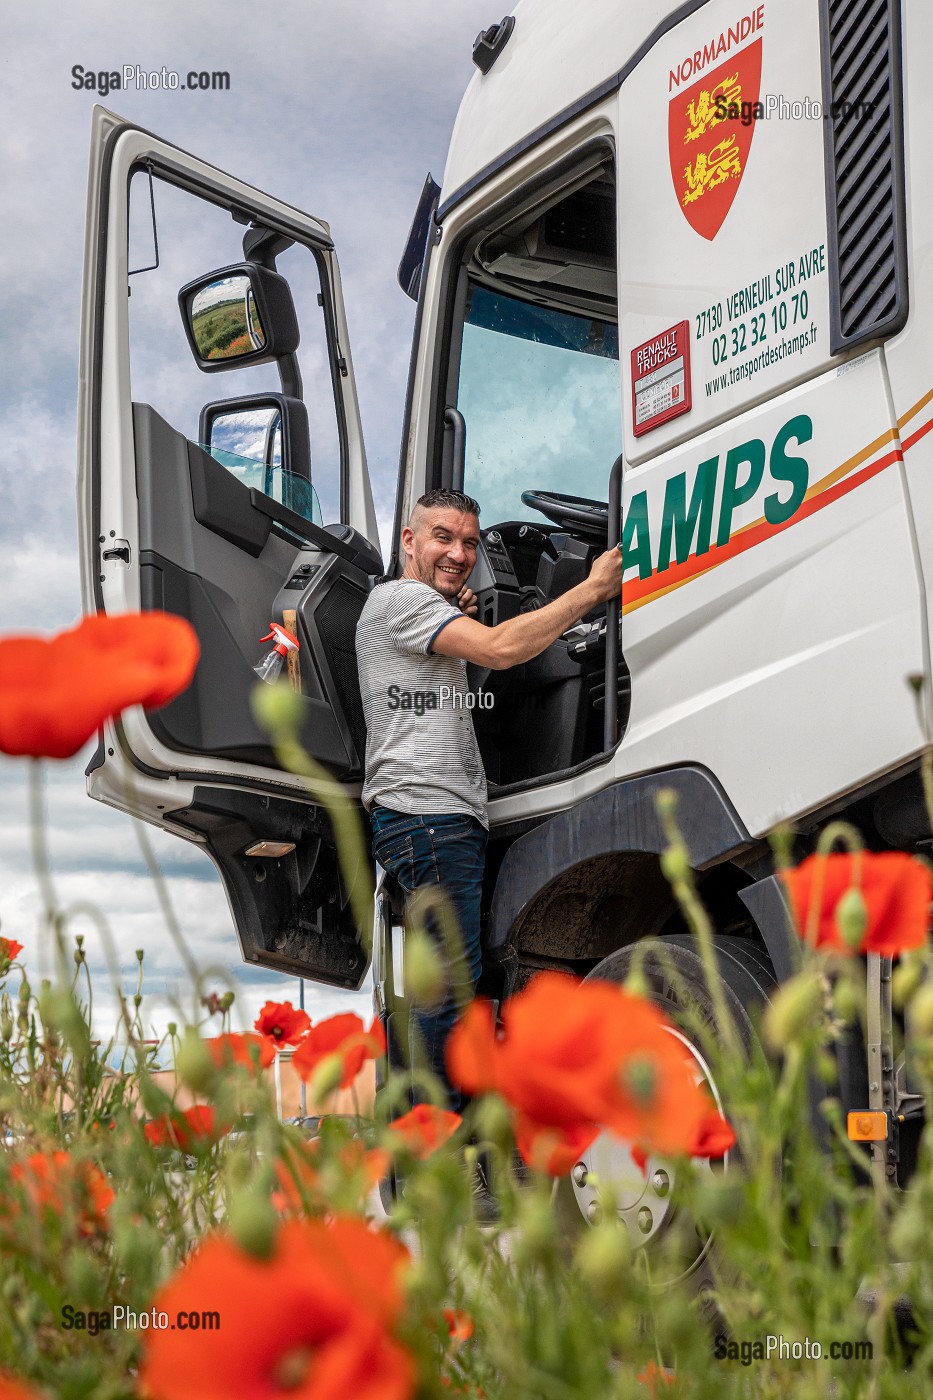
x=653 y=1376
x=424 y=1129
x=897 y=890
x=55 y=1182
x=459 y=1326
x=10 y=949
x=343 y=1035
x=552 y=1150
x=715 y=1136
x=13 y=1389
x=193 y=1128
x=279 y=1022
x=577 y=1057
x=56 y=692
x=313 y=1322
x=251 y=1051
x=299 y=1178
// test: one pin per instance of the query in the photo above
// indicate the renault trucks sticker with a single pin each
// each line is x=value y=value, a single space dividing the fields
x=661 y=378
x=708 y=149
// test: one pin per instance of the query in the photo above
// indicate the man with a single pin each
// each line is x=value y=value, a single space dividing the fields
x=425 y=787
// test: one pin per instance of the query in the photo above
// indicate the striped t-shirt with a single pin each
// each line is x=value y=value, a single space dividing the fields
x=421 y=751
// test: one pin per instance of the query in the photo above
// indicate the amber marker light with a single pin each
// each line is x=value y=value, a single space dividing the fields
x=869 y=1126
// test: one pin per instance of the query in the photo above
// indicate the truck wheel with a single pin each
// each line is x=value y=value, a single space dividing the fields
x=648 y=1202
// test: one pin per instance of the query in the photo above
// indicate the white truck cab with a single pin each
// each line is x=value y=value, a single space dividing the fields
x=675 y=290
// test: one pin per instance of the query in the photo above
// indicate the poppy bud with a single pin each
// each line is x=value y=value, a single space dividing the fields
x=193 y=1063
x=277 y=707
x=326 y=1078
x=848 y=999
x=253 y=1222
x=675 y=863
x=226 y=1001
x=905 y=981
x=666 y=803
x=536 y=1233
x=138 y=1246
x=921 y=1010
x=6 y=1019
x=82 y=1276
x=493 y=1119
x=639 y=1078
x=604 y=1257
x=852 y=918
x=424 y=972
x=637 y=984
x=793 y=1010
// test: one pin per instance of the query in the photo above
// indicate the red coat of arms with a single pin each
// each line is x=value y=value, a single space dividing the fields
x=709 y=131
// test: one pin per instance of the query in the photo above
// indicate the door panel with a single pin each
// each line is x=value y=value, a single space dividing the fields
x=164 y=524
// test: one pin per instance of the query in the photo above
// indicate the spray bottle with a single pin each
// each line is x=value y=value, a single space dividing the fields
x=270 y=667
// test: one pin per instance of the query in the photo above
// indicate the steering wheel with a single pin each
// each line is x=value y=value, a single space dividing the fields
x=578 y=515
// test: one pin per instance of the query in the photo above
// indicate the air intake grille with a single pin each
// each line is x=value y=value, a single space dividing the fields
x=864 y=138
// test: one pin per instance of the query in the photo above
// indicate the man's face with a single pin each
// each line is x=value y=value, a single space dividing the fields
x=440 y=548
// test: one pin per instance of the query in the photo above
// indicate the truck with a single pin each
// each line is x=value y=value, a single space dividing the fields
x=675 y=290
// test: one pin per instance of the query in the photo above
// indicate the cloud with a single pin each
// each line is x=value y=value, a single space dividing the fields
x=339 y=110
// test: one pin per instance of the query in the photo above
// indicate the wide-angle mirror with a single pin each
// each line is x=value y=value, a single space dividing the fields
x=238 y=315
x=225 y=320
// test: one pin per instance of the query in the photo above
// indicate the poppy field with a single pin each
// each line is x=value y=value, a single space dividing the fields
x=212 y=1252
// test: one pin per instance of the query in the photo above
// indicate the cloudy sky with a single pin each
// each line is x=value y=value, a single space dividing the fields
x=338 y=109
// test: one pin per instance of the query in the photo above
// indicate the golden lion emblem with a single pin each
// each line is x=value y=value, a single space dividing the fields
x=711 y=169
x=705 y=111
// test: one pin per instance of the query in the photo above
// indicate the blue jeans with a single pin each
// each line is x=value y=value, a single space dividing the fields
x=446 y=849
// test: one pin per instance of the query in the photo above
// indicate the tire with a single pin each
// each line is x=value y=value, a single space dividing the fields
x=647 y=1203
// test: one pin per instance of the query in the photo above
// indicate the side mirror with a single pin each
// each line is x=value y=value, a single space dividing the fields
x=263 y=440
x=238 y=315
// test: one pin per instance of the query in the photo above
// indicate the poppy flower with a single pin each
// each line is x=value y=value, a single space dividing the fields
x=54 y=1182
x=575 y=1058
x=279 y=1022
x=552 y=1150
x=343 y=1035
x=653 y=1376
x=459 y=1326
x=193 y=1128
x=9 y=949
x=424 y=1129
x=56 y=692
x=312 y=1322
x=300 y=1184
x=249 y=1050
x=897 y=891
x=715 y=1136
x=13 y=1389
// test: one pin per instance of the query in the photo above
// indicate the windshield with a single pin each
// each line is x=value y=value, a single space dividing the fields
x=540 y=393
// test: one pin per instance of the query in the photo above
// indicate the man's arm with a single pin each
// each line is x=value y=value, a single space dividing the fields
x=520 y=638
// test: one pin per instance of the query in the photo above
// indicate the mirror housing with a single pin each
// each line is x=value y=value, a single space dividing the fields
x=239 y=315
x=263 y=439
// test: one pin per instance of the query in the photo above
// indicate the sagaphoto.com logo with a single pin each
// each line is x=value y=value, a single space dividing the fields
x=133 y=77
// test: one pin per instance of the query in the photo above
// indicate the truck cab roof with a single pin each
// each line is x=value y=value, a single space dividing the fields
x=557 y=58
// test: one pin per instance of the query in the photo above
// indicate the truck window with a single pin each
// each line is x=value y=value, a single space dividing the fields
x=535 y=358
x=540 y=394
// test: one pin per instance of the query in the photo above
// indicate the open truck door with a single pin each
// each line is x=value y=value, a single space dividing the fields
x=208 y=507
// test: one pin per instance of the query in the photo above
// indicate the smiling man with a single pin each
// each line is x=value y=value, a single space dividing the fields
x=425 y=787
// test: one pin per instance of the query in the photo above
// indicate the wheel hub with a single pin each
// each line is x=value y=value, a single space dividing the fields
x=646 y=1199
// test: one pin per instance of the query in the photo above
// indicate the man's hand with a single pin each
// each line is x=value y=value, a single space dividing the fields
x=466 y=602
x=518 y=639
x=606 y=575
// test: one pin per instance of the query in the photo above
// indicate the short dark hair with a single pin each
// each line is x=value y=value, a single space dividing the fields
x=441 y=499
